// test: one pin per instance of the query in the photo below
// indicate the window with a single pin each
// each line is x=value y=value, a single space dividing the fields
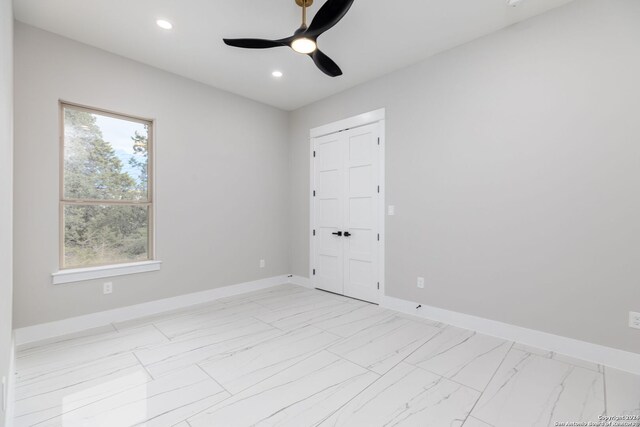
x=106 y=201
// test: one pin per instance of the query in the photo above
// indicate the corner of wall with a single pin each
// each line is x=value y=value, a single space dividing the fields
x=6 y=209
x=290 y=190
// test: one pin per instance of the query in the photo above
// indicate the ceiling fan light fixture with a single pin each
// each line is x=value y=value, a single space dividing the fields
x=304 y=45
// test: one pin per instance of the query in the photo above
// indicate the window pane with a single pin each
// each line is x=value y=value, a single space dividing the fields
x=105 y=234
x=105 y=158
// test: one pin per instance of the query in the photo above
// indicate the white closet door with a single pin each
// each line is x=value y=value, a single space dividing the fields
x=329 y=212
x=360 y=155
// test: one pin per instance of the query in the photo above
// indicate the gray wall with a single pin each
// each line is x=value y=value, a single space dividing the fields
x=222 y=178
x=6 y=189
x=514 y=165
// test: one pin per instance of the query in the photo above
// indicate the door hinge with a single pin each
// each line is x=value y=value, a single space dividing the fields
x=378 y=285
x=378 y=237
x=314 y=271
x=314 y=153
x=378 y=189
x=378 y=141
x=314 y=232
x=314 y=193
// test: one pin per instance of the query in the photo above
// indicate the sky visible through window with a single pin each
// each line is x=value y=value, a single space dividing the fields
x=118 y=134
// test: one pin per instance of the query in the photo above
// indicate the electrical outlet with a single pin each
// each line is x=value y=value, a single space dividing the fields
x=263 y=264
x=421 y=282
x=634 y=320
x=107 y=288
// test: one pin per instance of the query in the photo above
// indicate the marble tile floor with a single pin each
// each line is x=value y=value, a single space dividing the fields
x=291 y=356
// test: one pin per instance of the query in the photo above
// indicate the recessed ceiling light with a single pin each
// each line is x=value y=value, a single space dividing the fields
x=277 y=74
x=165 y=25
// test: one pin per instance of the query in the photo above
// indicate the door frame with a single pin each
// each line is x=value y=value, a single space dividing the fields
x=371 y=117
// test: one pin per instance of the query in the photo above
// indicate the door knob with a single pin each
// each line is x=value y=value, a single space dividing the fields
x=347 y=234
x=339 y=233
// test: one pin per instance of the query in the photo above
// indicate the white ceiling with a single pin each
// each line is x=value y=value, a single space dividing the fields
x=375 y=37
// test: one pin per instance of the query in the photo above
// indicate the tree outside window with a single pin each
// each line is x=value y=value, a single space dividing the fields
x=106 y=203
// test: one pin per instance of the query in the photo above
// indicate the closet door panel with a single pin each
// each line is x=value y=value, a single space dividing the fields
x=360 y=200
x=329 y=213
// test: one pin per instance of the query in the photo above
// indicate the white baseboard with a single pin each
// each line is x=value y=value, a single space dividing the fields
x=76 y=324
x=302 y=281
x=614 y=358
x=608 y=356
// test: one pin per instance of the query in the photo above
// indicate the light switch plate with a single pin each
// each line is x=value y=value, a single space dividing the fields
x=634 y=320
x=391 y=210
x=263 y=263
x=421 y=282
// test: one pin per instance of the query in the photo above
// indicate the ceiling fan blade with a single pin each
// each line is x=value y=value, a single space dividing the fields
x=254 y=43
x=329 y=15
x=325 y=64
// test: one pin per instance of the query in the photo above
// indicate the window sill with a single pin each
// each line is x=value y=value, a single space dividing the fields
x=81 y=274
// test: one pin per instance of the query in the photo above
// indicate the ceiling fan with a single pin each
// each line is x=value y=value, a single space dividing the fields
x=304 y=40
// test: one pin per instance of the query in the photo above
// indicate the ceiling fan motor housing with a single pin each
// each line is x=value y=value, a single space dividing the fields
x=301 y=3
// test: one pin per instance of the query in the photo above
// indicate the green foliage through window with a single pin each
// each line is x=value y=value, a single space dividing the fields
x=105 y=195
